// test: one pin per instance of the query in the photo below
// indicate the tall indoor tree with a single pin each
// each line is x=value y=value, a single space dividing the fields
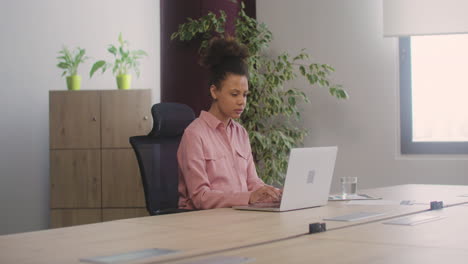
x=272 y=111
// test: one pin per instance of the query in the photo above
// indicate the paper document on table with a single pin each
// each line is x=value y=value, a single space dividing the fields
x=354 y=216
x=414 y=220
x=129 y=256
x=373 y=202
x=361 y=196
x=384 y=202
x=221 y=260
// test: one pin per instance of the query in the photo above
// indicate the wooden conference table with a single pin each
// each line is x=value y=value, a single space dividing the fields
x=442 y=241
x=266 y=237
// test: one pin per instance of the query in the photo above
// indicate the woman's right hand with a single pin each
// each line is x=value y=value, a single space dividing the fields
x=263 y=194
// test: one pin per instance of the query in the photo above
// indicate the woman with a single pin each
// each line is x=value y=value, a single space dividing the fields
x=215 y=158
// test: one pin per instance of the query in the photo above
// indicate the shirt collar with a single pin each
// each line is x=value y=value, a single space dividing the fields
x=212 y=121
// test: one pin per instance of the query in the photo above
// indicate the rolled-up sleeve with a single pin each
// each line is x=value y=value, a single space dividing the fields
x=198 y=188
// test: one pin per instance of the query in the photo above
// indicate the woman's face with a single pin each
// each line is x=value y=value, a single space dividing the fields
x=231 y=96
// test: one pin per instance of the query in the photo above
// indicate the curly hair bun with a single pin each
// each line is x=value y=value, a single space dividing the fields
x=220 y=49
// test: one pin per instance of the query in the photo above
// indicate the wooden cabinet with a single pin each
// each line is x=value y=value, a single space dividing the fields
x=74 y=120
x=94 y=173
x=121 y=182
x=124 y=110
x=71 y=217
x=75 y=177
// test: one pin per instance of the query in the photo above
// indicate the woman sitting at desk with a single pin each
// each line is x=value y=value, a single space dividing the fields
x=215 y=158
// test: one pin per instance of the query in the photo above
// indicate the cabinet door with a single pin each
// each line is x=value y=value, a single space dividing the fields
x=121 y=180
x=74 y=119
x=123 y=213
x=75 y=178
x=124 y=114
x=71 y=217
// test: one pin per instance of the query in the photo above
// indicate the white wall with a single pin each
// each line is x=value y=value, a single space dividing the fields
x=32 y=32
x=348 y=35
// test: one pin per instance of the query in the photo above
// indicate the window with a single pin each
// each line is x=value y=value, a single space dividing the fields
x=434 y=94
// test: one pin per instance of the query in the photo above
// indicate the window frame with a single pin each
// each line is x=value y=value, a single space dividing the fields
x=408 y=146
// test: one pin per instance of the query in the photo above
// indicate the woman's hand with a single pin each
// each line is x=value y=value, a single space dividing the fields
x=265 y=194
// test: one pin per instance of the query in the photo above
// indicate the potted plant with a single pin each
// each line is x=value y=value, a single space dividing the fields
x=272 y=111
x=69 y=62
x=125 y=60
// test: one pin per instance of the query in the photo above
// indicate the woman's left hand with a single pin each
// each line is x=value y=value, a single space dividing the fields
x=270 y=199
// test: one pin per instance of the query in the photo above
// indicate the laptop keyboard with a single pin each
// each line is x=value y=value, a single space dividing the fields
x=265 y=205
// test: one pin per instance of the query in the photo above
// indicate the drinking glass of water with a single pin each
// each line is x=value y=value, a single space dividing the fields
x=348 y=186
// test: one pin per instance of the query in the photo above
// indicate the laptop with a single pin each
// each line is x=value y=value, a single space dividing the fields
x=308 y=180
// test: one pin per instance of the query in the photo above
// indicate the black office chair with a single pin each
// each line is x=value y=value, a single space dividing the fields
x=157 y=156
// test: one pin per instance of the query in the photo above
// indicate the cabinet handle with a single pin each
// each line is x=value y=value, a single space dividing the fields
x=145 y=118
x=94 y=118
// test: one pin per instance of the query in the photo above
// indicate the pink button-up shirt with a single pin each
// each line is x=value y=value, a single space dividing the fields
x=216 y=167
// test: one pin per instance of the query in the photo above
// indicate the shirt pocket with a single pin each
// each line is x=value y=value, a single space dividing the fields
x=215 y=165
x=242 y=160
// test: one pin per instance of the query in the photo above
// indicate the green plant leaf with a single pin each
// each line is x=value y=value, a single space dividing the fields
x=140 y=53
x=121 y=41
x=302 y=70
x=63 y=65
x=342 y=94
x=124 y=59
x=112 y=49
x=97 y=66
x=70 y=60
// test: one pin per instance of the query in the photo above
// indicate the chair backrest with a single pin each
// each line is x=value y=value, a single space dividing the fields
x=157 y=156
